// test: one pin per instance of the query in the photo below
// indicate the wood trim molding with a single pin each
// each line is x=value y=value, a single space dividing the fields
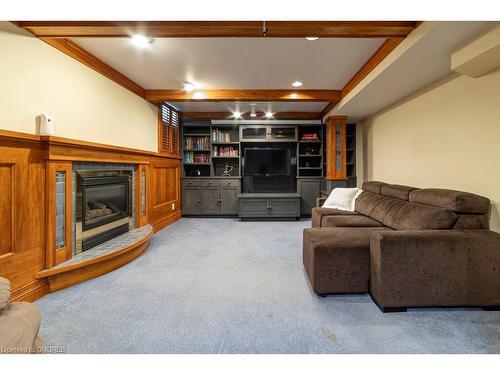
x=385 y=49
x=55 y=255
x=159 y=96
x=217 y=29
x=73 y=50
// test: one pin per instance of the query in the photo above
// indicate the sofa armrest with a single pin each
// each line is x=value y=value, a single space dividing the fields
x=435 y=268
x=320 y=201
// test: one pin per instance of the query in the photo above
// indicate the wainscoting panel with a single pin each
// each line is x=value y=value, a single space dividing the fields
x=22 y=222
x=25 y=161
x=164 y=205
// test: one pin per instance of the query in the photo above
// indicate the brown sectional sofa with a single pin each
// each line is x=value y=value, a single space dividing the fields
x=408 y=247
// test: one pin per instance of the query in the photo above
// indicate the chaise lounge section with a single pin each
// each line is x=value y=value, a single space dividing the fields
x=408 y=247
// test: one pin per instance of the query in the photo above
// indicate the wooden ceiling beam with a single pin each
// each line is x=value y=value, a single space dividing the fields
x=385 y=49
x=78 y=53
x=213 y=29
x=244 y=95
x=246 y=115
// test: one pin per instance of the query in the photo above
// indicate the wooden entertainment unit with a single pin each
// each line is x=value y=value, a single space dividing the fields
x=213 y=174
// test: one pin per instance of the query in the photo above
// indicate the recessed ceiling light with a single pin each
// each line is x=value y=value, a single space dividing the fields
x=188 y=87
x=312 y=38
x=141 y=41
x=297 y=84
x=198 y=95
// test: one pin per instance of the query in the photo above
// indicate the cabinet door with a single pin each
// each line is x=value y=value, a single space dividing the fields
x=210 y=200
x=228 y=200
x=253 y=133
x=282 y=133
x=309 y=190
x=191 y=203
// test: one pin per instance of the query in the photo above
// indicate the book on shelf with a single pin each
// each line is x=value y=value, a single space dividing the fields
x=310 y=137
x=225 y=151
x=191 y=157
x=196 y=143
x=221 y=135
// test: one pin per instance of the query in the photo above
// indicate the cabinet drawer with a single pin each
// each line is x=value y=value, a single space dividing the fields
x=230 y=183
x=191 y=182
x=209 y=182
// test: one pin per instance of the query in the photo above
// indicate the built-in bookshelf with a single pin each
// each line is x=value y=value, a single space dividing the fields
x=211 y=151
x=310 y=151
x=196 y=151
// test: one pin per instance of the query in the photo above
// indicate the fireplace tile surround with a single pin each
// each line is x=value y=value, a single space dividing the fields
x=79 y=166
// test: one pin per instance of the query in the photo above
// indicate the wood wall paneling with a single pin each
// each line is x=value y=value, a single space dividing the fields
x=57 y=255
x=7 y=209
x=22 y=180
x=164 y=192
x=27 y=172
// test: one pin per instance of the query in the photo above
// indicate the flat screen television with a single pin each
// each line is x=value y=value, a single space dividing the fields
x=267 y=162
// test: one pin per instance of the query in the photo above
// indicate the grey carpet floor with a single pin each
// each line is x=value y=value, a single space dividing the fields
x=224 y=286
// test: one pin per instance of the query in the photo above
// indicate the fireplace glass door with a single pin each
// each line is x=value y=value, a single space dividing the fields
x=104 y=200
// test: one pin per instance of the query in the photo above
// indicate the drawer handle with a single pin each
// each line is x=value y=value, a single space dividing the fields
x=190 y=182
x=210 y=183
x=229 y=183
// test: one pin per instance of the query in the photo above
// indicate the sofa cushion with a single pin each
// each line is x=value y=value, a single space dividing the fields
x=349 y=221
x=4 y=292
x=472 y=222
x=397 y=191
x=19 y=325
x=457 y=201
x=373 y=186
x=402 y=215
x=337 y=260
x=318 y=213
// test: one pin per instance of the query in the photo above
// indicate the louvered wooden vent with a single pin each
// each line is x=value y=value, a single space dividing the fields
x=169 y=130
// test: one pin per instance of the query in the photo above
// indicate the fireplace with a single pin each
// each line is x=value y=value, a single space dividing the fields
x=103 y=206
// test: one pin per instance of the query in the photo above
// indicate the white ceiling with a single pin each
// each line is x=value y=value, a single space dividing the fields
x=425 y=61
x=236 y=63
x=246 y=106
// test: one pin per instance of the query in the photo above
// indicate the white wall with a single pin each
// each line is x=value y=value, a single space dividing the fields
x=446 y=136
x=36 y=78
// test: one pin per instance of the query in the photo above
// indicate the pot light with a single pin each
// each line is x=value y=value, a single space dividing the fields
x=141 y=41
x=237 y=113
x=188 y=86
x=252 y=112
x=297 y=84
x=312 y=38
x=269 y=113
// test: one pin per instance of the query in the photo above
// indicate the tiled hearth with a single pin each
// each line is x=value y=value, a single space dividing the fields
x=111 y=246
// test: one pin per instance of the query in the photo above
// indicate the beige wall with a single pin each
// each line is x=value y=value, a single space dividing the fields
x=36 y=78
x=446 y=136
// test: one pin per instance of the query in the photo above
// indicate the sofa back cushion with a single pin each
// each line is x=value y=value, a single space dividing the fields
x=457 y=201
x=402 y=215
x=373 y=186
x=467 y=222
x=397 y=191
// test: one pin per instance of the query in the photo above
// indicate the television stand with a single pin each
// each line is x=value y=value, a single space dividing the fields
x=269 y=205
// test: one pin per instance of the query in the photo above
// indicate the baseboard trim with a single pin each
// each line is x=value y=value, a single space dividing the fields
x=167 y=220
x=30 y=292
